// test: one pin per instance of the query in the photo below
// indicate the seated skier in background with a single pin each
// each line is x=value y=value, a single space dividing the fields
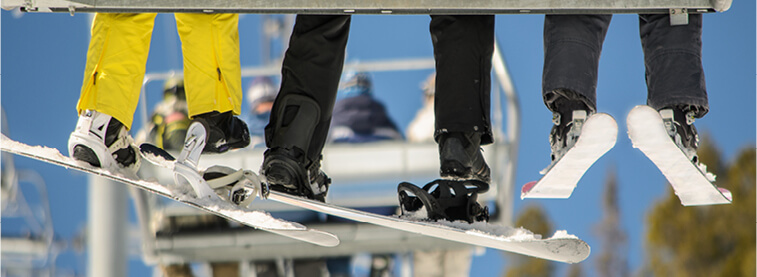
x=359 y=117
x=170 y=119
x=260 y=96
x=421 y=129
x=115 y=70
x=674 y=74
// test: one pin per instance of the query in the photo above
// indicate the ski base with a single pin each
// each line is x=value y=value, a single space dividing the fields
x=598 y=136
x=690 y=182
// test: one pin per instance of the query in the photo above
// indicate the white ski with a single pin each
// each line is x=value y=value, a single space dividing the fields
x=691 y=182
x=597 y=136
x=214 y=205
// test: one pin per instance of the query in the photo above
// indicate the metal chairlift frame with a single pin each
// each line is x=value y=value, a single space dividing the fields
x=372 y=6
x=33 y=253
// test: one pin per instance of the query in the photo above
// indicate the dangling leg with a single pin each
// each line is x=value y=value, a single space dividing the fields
x=301 y=113
x=463 y=48
x=213 y=82
x=572 y=47
x=674 y=74
x=113 y=76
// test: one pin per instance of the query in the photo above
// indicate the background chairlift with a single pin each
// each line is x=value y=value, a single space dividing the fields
x=29 y=247
x=364 y=175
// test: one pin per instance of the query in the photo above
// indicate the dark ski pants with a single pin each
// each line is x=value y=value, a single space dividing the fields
x=463 y=47
x=672 y=58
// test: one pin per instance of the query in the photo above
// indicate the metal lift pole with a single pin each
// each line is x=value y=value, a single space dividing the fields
x=107 y=226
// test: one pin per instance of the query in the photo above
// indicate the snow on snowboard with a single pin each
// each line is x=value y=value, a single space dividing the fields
x=256 y=219
x=560 y=247
x=691 y=182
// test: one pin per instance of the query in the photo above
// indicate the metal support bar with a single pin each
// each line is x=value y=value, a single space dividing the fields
x=505 y=196
x=370 y=6
x=236 y=244
x=679 y=17
x=107 y=227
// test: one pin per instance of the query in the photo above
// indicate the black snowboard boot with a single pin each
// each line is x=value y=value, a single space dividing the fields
x=287 y=170
x=225 y=132
x=460 y=157
x=290 y=165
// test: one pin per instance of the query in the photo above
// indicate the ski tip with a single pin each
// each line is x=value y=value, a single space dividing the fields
x=526 y=188
x=726 y=193
x=604 y=116
x=641 y=112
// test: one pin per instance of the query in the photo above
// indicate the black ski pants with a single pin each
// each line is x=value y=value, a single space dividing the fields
x=463 y=47
x=672 y=58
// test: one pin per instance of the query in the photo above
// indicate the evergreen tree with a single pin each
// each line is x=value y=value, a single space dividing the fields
x=612 y=260
x=714 y=240
x=575 y=270
x=535 y=219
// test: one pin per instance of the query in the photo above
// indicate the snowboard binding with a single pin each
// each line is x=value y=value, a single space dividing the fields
x=236 y=186
x=445 y=199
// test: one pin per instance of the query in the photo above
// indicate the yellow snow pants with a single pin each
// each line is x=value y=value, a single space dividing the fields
x=117 y=57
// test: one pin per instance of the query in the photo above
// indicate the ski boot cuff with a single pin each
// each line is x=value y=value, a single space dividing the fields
x=565 y=100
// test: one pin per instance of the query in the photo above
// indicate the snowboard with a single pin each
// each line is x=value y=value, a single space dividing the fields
x=598 y=136
x=560 y=247
x=256 y=219
x=691 y=182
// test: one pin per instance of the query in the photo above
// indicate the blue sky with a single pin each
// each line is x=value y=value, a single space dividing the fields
x=43 y=58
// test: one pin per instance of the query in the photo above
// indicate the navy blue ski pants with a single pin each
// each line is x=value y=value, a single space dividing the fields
x=672 y=58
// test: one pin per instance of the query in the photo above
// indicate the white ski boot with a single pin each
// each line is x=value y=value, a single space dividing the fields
x=102 y=141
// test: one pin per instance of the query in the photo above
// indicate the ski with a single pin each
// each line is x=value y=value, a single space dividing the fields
x=215 y=205
x=691 y=182
x=598 y=136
